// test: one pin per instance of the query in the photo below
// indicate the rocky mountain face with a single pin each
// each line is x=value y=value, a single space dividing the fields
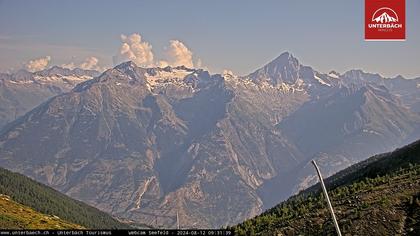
x=340 y=129
x=407 y=90
x=147 y=143
x=22 y=91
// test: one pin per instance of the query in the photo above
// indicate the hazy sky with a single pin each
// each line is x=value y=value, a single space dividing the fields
x=237 y=35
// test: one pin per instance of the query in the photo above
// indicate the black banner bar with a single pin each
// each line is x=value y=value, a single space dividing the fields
x=137 y=232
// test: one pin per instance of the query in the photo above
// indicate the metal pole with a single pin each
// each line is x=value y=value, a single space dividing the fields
x=337 y=228
x=177 y=220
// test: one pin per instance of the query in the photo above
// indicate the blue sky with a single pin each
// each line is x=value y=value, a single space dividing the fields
x=236 y=35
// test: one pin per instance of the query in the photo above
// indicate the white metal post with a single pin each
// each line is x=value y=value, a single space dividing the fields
x=337 y=228
x=177 y=220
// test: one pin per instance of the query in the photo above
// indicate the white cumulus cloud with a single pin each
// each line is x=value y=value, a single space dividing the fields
x=178 y=55
x=91 y=63
x=133 y=48
x=227 y=72
x=38 y=64
x=162 y=63
x=70 y=65
x=199 y=63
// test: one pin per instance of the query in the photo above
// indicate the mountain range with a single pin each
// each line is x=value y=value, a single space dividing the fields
x=22 y=91
x=146 y=144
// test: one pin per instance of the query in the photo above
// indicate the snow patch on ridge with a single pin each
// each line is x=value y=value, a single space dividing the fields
x=158 y=77
x=60 y=78
x=321 y=81
x=333 y=75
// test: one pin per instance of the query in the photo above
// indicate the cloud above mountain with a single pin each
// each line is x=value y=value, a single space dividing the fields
x=38 y=64
x=134 y=48
x=177 y=55
x=227 y=72
x=70 y=65
x=90 y=63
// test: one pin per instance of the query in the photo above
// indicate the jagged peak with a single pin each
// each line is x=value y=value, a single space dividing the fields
x=284 y=60
x=22 y=72
x=360 y=73
x=285 y=56
x=366 y=90
x=354 y=71
x=334 y=74
x=58 y=70
x=152 y=70
x=22 y=75
x=126 y=65
x=169 y=69
x=399 y=77
x=283 y=69
x=129 y=72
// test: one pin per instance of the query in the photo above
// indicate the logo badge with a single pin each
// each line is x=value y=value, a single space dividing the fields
x=384 y=20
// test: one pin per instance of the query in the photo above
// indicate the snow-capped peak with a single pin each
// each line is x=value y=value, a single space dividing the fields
x=321 y=81
x=180 y=76
x=334 y=74
x=166 y=73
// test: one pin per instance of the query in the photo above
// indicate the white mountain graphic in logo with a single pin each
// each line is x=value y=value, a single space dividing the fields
x=385 y=18
x=388 y=15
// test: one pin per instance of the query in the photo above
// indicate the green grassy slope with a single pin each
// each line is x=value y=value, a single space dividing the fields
x=46 y=200
x=380 y=196
x=17 y=216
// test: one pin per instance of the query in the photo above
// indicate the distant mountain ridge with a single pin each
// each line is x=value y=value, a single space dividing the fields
x=22 y=91
x=147 y=143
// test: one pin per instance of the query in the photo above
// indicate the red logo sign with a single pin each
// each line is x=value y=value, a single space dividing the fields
x=384 y=20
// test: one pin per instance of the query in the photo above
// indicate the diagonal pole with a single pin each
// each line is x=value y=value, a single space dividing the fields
x=337 y=228
x=177 y=220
